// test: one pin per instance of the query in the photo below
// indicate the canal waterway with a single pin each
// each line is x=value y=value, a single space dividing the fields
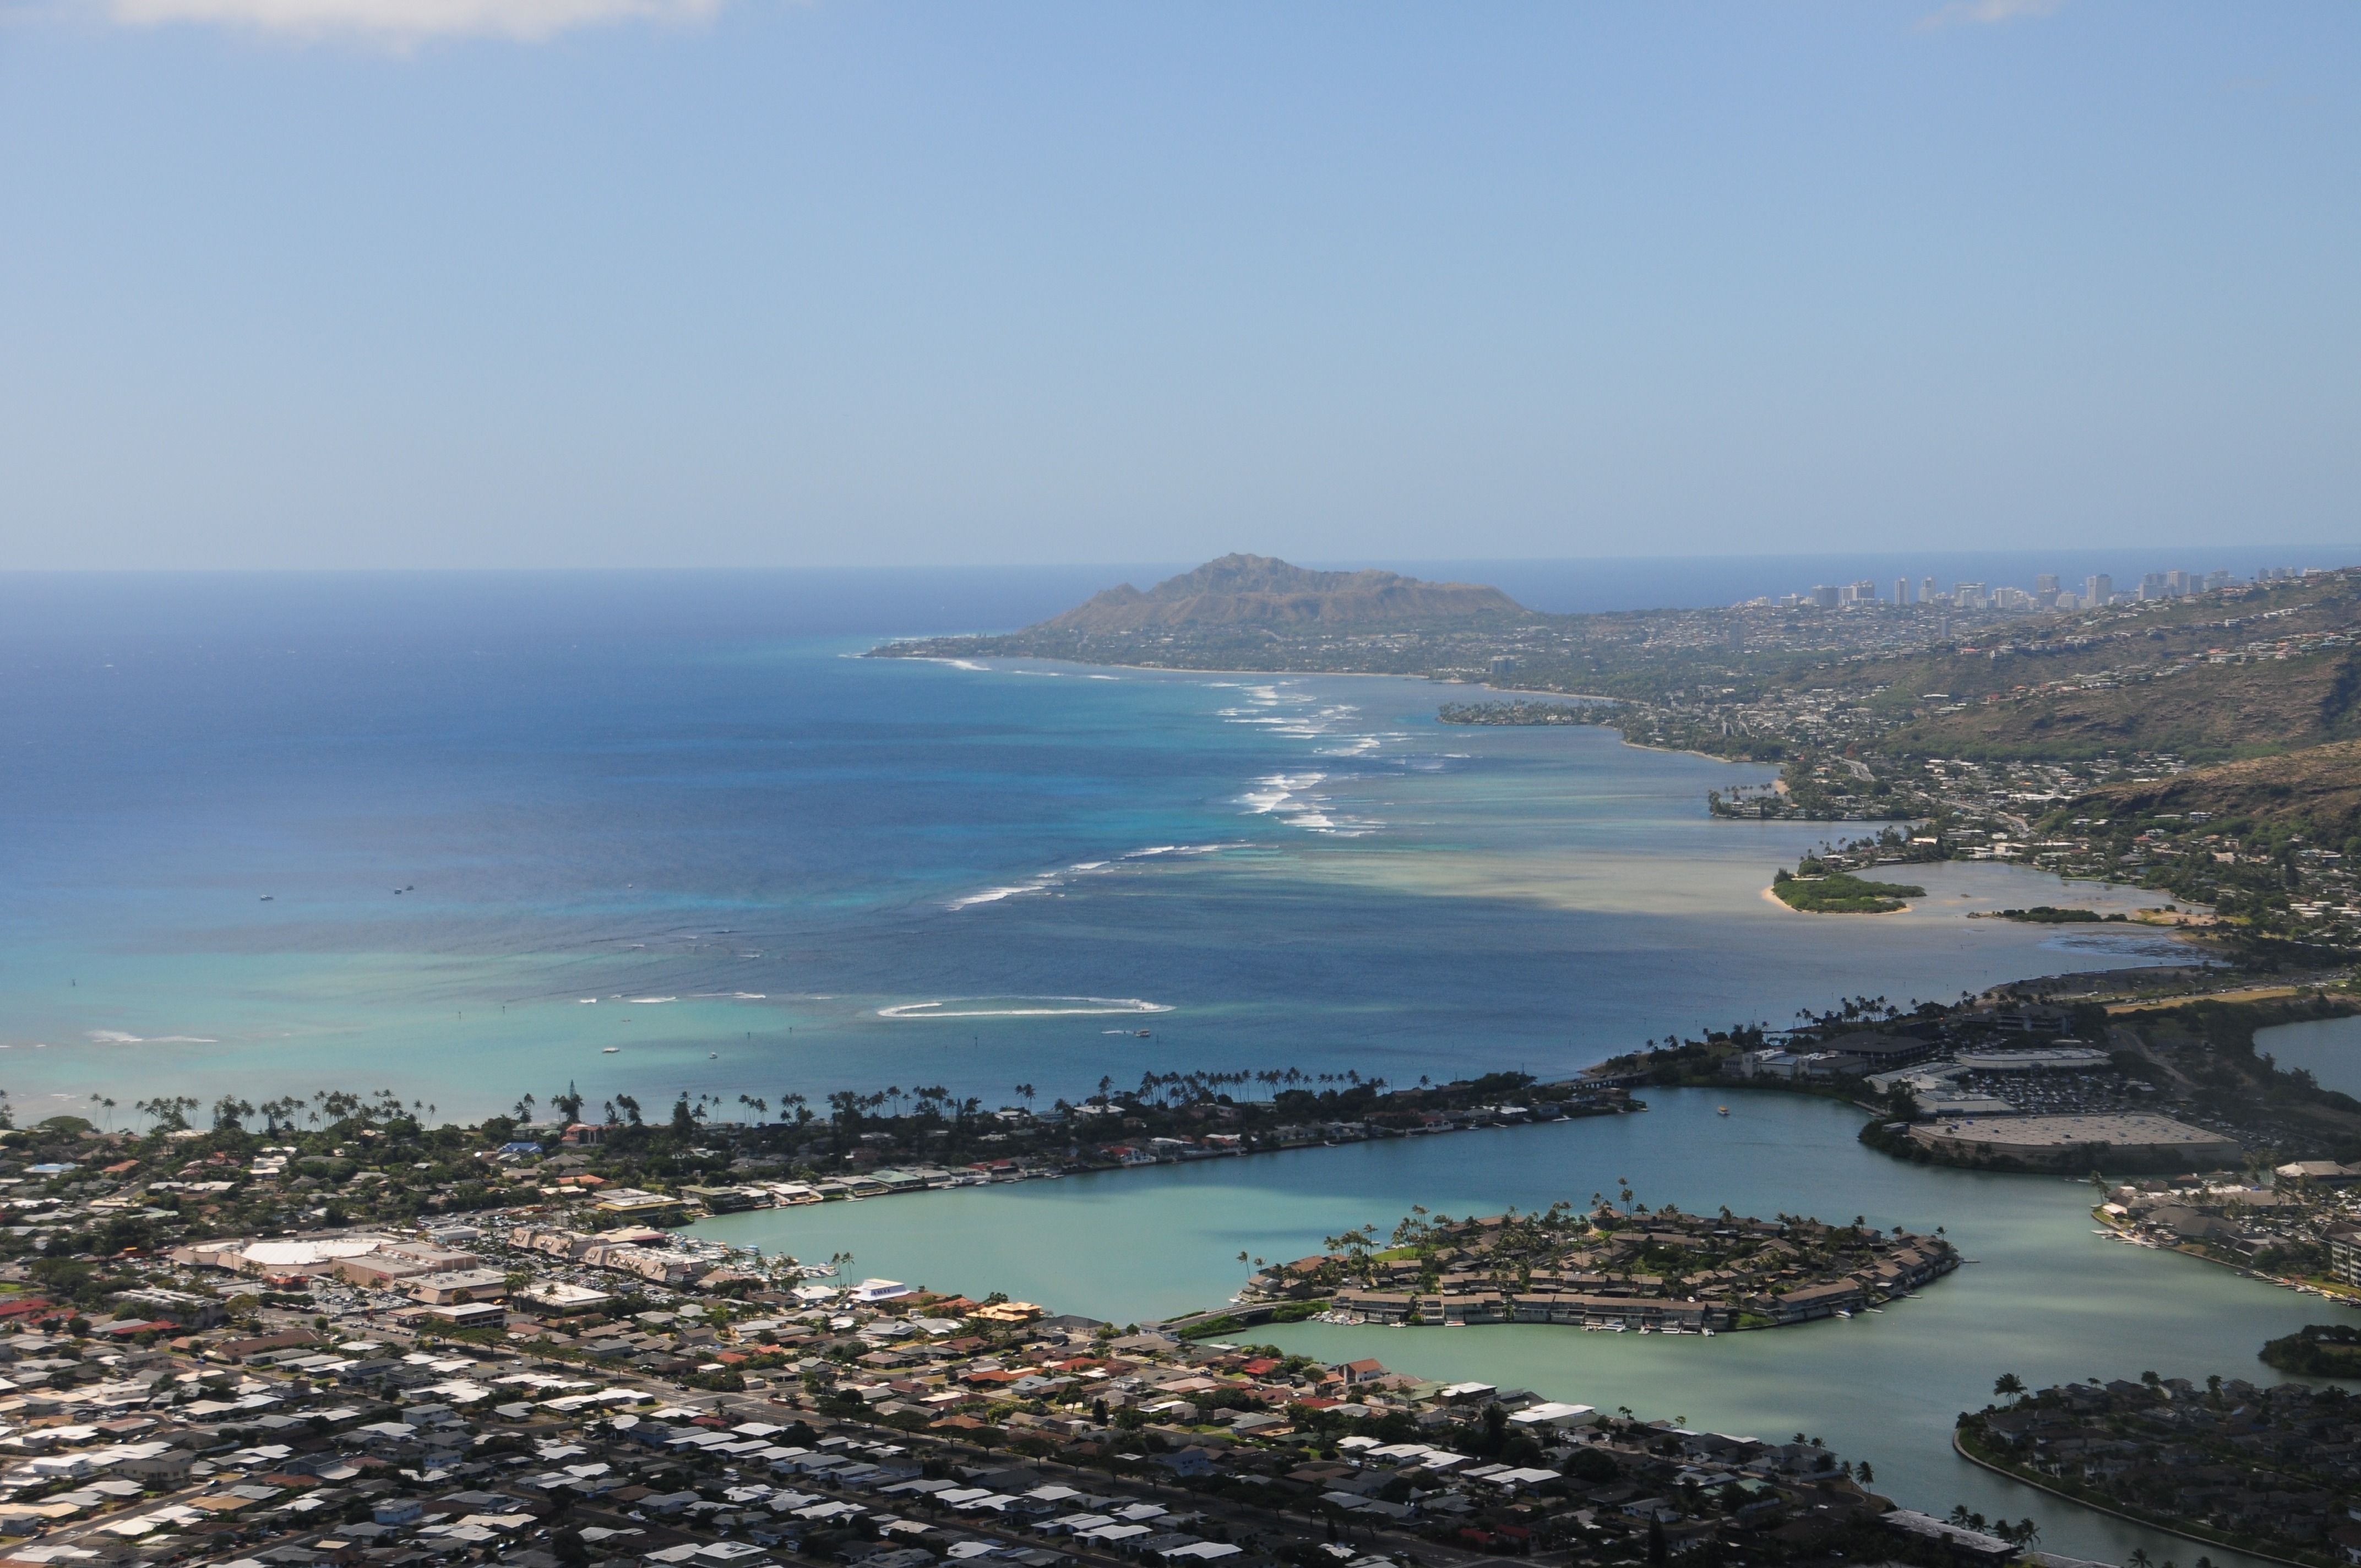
x=2046 y=1297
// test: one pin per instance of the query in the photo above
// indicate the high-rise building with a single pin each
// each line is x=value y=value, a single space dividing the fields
x=2046 y=583
x=2097 y=590
x=2151 y=585
x=1967 y=596
x=2217 y=580
x=1901 y=592
x=1824 y=596
x=1926 y=590
x=2177 y=585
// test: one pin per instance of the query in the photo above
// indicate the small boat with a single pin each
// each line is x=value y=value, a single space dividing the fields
x=1721 y=1110
x=713 y=1055
x=1141 y=1034
x=1708 y=1333
x=1842 y=1314
x=265 y=898
x=610 y=1050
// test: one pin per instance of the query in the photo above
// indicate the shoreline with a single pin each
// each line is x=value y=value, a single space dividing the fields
x=1059 y=1172
x=1621 y=737
x=2186 y=1249
x=2117 y=1513
x=958 y=662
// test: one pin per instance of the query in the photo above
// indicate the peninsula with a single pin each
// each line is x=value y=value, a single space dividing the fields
x=2268 y=1471
x=1244 y=612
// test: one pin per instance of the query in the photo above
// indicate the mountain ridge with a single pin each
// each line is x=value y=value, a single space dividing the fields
x=2315 y=788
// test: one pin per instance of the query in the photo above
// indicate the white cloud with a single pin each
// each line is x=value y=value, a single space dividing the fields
x=404 y=22
x=1987 y=12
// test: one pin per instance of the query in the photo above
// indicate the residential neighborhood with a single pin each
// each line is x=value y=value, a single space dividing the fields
x=346 y=1422
x=382 y=1346
x=2263 y=1470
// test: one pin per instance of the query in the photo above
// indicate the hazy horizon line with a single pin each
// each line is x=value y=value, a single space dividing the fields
x=1383 y=562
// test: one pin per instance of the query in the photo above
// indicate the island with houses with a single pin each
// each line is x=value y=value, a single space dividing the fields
x=1611 y=1270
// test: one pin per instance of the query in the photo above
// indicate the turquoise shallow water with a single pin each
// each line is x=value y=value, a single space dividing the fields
x=652 y=840
x=2047 y=1300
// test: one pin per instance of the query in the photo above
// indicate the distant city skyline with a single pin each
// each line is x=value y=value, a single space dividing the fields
x=2096 y=591
x=714 y=283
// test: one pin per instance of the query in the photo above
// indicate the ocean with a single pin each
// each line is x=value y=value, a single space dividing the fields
x=469 y=838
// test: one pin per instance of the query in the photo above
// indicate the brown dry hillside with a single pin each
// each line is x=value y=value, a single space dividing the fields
x=1256 y=590
x=2202 y=711
x=2317 y=789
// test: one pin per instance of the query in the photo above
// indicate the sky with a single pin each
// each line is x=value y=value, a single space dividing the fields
x=631 y=283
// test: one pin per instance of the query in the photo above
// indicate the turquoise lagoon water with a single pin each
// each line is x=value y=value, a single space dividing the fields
x=657 y=835
x=2045 y=1299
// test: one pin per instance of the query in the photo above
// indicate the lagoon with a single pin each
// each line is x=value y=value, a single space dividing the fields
x=2046 y=1298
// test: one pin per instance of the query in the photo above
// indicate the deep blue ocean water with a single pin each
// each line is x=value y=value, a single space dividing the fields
x=675 y=816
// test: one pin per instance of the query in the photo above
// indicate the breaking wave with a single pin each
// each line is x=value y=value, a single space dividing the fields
x=1023 y=1007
